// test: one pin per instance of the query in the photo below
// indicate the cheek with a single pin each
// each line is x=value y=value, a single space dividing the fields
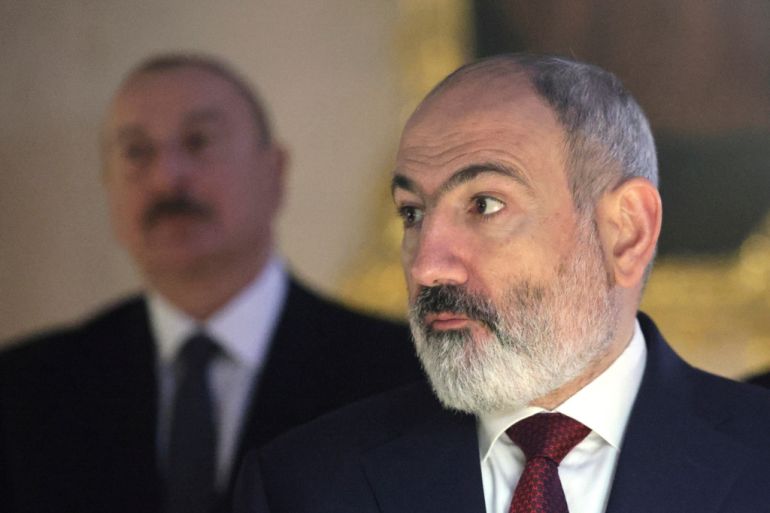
x=410 y=247
x=408 y=253
x=123 y=204
x=252 y=187
x=239 y=203
x=497 y=265
x=125 y=216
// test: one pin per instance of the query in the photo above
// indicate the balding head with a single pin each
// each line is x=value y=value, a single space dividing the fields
x=608 y=137
x=163 y=63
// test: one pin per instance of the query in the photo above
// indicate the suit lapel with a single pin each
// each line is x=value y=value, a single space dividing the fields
x=266 y=415
x=263 y=418
x=432 y=468
x=672 y=459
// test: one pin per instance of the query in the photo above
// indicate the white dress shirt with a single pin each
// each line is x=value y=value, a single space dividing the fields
x=243 y=329
x=586 y=472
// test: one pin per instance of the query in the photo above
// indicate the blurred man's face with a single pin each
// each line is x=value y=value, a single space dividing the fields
x=508 y=291
x=190 y=183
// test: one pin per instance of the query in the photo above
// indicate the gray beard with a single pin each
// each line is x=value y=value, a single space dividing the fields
x=543 y=337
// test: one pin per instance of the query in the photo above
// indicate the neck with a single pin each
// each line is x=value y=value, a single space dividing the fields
x=202 y=291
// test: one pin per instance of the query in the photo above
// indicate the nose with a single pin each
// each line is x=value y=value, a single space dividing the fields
x=171 y=168
x=438 y=256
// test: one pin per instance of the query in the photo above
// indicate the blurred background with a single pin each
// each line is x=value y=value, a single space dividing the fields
x=339 y=78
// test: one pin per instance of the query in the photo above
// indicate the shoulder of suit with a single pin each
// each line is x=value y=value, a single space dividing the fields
x=762 y=380
x=735 y=398
x=740 y=412
x=738 y=409
x=366 y=423
x=54 y=344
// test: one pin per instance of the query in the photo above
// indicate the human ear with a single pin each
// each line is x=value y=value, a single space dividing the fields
x=629 y=219
x=277 y=162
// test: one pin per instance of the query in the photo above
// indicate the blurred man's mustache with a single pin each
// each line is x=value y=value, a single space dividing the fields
x=174 y=206
x=454 y=299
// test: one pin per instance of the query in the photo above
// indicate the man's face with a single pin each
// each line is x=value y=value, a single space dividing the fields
x=508 y=290
x=190 y=184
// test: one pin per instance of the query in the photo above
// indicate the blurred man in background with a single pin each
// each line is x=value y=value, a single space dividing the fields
x=149 y=405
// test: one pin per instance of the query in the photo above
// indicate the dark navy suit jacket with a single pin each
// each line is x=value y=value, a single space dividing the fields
x=762 y=379
x=694 y=443
x=78 y=410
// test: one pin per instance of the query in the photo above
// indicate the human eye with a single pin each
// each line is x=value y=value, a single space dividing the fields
x=137 y=152
x=411 y=215
x=196 y=141
x=486 y=205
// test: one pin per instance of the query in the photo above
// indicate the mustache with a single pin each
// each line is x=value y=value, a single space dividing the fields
x=180 y=204
x=451 y=298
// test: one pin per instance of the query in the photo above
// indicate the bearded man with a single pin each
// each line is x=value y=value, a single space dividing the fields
x=528 y=190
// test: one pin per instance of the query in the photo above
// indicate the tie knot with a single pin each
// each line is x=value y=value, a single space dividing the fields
x=547 y=435
x=197 y=352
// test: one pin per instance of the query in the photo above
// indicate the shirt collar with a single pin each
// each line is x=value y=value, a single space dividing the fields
x=603 y=405
x=242 y=327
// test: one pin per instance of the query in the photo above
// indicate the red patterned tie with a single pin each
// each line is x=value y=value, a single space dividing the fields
x=545 y=438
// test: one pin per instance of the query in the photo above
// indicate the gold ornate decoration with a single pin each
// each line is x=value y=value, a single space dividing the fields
x=714 y=310
x=433 y=38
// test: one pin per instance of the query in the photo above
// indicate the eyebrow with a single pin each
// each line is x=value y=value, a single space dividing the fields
x=204 y=115
x=129 y=131
x=125 y=133
x=464 y=175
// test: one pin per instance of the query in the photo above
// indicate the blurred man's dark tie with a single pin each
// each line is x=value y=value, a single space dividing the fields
x=191 y=469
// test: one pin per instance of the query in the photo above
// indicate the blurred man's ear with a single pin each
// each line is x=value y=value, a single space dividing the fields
x=629 y=219
x=278 y=162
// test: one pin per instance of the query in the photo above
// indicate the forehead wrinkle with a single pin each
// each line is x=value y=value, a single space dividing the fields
x=442 y=149
x=137 y=129
x=472 y=171
x=464 y=175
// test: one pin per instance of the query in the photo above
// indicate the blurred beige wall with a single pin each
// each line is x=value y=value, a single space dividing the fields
x=325 y=69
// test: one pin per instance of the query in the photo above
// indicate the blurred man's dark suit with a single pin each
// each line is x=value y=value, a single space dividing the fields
x=78 y=415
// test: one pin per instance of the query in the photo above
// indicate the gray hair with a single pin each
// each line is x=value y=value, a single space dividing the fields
x=173 y=61
x=608 y=137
